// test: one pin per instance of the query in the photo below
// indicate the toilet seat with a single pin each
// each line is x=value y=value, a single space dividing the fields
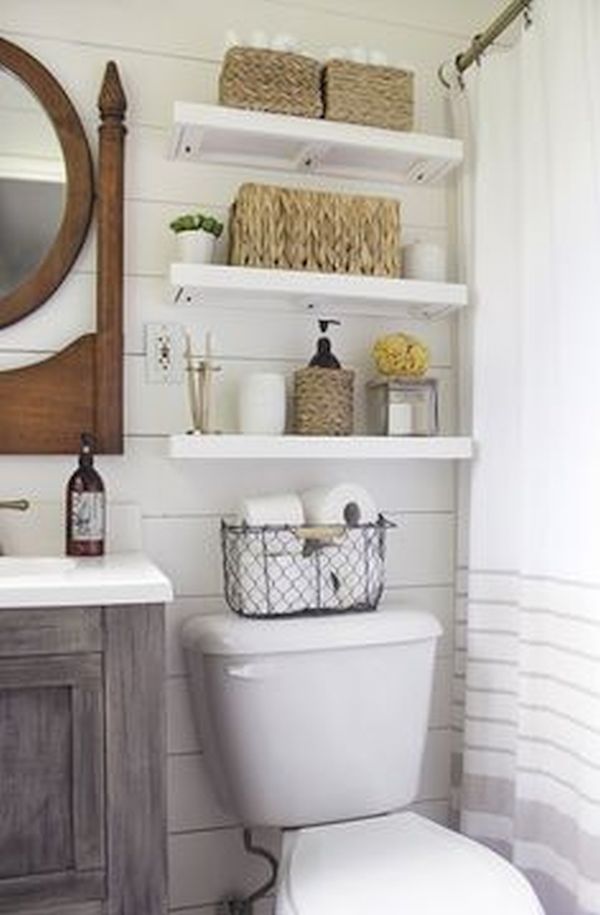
x=399 y=864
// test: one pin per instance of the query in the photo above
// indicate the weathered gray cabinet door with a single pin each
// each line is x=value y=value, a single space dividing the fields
x=51 y=764
x=82 y=748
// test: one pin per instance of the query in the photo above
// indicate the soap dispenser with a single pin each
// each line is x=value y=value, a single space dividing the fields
x=324 y=392
x=324 y=358
x=86 y=505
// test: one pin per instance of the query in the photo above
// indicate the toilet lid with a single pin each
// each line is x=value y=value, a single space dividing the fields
x=398 y=864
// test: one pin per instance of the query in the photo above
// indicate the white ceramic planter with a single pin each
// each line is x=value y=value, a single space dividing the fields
x=424 y=261
x=195 y=247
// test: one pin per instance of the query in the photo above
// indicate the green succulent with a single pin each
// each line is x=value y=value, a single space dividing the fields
x=194 y=222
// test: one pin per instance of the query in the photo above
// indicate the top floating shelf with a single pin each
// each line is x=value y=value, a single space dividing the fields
x=232 y=136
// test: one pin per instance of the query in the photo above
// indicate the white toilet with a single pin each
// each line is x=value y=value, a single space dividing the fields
x=317 y=725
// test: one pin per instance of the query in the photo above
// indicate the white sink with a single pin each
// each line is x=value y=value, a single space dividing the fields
x=26 y=566
x=57 y=581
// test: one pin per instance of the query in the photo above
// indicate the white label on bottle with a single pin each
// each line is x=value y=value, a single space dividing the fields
x=87 y=516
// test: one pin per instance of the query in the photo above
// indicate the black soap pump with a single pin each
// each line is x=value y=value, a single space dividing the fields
x=324 y=357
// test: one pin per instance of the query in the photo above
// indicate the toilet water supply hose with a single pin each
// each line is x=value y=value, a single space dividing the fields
x=245 y=906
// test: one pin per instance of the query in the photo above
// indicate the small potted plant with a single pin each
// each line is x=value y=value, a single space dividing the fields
x=196 y=234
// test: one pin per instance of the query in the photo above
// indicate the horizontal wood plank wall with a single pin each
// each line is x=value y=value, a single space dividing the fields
x=167 y=52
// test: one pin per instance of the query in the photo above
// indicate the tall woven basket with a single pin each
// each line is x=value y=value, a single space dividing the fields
x=277 y=81
x=294 y=229
x=323 y=401
x=366 y=94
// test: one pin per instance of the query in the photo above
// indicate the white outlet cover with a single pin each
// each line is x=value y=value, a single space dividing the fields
x=164 y=353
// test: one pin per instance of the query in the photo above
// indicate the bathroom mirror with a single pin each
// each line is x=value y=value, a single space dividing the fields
x=46 y=405
x=46 y=187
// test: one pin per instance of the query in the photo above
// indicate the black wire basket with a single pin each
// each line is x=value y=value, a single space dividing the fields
x=279 y=570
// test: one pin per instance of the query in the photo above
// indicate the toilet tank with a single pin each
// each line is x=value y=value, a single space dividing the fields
x=315 y=719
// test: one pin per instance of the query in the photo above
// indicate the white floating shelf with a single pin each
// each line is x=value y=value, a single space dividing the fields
x=253 y=139
x=297 y=447
x=334 y=293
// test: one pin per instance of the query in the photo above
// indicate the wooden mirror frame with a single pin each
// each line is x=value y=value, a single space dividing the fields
x=51 y=271
x=45 y=407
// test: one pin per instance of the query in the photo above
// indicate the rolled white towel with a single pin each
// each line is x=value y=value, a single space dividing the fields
x=283 y=43
x=359 y=55
x=259 y=39
x=378 y=59
x=231 y=39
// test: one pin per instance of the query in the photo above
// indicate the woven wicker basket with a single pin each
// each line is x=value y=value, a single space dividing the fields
x=277 y=81
x=323 y=401
x=365 y=94
x=313 y=230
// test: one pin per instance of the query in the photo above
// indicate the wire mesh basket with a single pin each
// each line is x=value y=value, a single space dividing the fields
x=288 y=571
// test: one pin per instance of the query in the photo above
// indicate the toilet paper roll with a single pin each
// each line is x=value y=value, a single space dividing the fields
x=279 y=585
x=284 y=508
x=346 y=503
x=352 y=576
x=424 y=261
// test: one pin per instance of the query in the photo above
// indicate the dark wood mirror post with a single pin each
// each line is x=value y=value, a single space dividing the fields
x=45 y=407
x=109 y=298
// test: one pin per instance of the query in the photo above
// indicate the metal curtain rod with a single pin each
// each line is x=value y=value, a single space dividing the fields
x=482 y=41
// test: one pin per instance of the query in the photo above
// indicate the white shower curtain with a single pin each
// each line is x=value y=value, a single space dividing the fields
x=527 y=689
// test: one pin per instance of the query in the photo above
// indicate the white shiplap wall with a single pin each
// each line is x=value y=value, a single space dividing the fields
x=169 y=51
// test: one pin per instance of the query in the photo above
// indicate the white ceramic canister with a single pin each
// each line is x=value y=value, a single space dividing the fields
x=195 y=247
x=261 y=404
x=423 y=260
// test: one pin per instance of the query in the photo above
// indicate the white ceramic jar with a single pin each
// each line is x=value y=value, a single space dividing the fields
x=424 y=260
x=261 y=404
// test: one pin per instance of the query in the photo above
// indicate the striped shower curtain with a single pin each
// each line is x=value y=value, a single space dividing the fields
x=527 y=685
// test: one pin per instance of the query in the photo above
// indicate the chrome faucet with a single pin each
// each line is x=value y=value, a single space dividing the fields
x=17 y=505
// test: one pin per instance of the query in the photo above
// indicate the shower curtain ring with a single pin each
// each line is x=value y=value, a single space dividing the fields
x=528 y=16
x=442 y=75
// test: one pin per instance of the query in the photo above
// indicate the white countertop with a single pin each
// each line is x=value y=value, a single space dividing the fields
x=117 y=578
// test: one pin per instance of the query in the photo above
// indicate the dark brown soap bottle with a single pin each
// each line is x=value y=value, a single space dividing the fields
x=86 y=505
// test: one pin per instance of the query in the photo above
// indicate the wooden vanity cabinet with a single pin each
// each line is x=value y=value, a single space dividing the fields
x=82 y=772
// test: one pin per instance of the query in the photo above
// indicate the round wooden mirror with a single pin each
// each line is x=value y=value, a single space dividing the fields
x=46 y=184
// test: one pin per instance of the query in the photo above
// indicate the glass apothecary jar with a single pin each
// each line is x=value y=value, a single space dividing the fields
x=403 y=406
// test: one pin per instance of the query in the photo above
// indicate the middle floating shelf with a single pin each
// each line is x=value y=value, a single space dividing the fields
x=315 y=447
x=335 y=293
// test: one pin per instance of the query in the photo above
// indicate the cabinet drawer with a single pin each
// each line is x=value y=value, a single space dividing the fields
x=50 y=631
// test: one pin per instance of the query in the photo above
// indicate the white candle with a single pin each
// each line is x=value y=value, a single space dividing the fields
x=400 y=419
x=261 y=404
x=424 y=261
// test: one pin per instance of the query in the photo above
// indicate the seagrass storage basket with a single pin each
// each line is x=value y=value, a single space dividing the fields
x=277 y=81
x=293 y=229
x=367 y=94
x=323 y=401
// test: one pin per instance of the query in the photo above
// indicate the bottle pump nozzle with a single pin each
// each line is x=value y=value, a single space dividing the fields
x=324 y=358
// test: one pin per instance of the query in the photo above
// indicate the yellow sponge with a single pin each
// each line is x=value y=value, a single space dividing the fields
x=401 y=354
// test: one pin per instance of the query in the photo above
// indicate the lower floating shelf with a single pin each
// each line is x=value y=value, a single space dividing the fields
x=298 y=447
